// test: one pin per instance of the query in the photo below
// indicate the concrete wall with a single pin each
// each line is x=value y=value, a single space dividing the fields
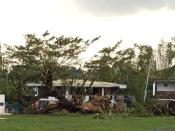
x=165 y=86
x=2 y=104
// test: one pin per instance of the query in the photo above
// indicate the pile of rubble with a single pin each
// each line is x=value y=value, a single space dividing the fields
x=99 y=104
x=95 y=104
x=164 y=108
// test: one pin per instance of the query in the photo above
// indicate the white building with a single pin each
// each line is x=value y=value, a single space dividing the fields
x=97 y=88
x=164 y=89
x=2 y=104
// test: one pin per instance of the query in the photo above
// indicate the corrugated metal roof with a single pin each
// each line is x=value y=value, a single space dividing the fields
x=163 y=80
x=78 y=83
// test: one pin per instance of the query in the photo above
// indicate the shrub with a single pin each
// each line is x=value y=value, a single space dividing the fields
x=138 y=109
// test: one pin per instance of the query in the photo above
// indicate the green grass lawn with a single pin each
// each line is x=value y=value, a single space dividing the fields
x=77 y=122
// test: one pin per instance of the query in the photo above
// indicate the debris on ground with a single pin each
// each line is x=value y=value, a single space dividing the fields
x=44 y=105
x=164 y=108
x=97 y=104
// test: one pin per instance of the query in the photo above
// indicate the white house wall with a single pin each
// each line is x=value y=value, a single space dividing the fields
x=162 y=87
x=2 y=104
x=154 y=88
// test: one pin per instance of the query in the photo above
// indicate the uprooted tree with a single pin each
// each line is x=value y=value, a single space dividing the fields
x=43 y=57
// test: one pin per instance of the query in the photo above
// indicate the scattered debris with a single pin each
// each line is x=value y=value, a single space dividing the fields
x=98 y=104
x=99 y=116
x=44 y=105
x=164 y=107
x=94 y=104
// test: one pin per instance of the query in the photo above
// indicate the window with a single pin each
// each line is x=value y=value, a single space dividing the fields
x=165 y=85
x=1 y=104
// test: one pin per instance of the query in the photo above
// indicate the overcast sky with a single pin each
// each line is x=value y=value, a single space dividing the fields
x=121 y=7
x=133 y=21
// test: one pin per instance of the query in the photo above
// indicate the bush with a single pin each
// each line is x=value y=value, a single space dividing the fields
x=138 y=109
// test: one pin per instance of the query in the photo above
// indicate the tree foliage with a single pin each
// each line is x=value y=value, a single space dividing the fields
x=47 y=58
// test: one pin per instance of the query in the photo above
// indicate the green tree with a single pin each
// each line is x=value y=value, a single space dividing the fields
x=4 y=83
x=143 y=61
x=41 y=58
x=165 y=57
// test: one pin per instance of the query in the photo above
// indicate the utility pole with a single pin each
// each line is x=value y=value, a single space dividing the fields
x=146 y=87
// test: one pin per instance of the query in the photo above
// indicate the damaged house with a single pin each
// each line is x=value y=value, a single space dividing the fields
x=80 y=93
x=68 y=89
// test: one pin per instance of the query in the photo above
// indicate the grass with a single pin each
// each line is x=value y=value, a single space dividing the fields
x=77 y=122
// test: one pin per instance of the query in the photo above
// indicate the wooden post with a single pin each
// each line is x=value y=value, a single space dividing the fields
x=102 y=91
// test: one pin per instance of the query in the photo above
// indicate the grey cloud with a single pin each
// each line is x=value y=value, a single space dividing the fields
x=122 y=6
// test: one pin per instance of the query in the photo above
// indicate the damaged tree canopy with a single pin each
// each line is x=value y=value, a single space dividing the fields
x=45 y=56
x=48 y=55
